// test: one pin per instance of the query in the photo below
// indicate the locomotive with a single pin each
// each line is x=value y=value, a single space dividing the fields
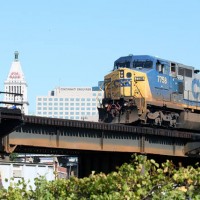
x=153 y=91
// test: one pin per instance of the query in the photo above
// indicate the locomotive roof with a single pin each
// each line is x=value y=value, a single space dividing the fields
x=148 y=57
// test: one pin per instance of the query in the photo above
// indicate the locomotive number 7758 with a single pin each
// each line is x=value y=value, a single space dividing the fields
x=162 y=79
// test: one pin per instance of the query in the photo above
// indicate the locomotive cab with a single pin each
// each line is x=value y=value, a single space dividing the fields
x=126 y=89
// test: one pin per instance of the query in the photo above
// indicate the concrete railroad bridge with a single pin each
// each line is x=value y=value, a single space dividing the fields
x=99 y=146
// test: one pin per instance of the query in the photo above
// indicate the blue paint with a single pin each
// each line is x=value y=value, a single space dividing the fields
x=195 y=83
x=123 y=82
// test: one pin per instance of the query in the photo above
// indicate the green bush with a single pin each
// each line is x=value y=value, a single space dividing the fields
x=141 y=179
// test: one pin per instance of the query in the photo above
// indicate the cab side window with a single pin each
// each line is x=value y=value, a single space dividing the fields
x=159 y=67
x=162 y=67
x=173 y=69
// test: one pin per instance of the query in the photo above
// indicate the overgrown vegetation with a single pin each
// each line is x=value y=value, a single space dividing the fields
x=142 y=179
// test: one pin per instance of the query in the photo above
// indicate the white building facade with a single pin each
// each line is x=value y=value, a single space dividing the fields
x=16 y=83
x=76 y=103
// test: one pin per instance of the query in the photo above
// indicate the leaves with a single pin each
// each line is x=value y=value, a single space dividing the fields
x=141 y=179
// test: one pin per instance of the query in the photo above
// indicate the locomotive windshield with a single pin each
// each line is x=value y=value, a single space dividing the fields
x=135 y=64
x=142 y=64
x=125 y=64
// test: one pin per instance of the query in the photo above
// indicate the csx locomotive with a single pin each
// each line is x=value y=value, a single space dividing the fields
x=153 y=91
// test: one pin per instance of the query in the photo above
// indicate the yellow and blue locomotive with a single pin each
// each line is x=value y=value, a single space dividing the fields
x=150 y=90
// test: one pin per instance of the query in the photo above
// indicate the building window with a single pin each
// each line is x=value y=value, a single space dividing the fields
x=82 y=104
x=71 y=113
x=72 y=99
x=61 y=113
x=71 y=108
x=66 y=108
x=88 y=99
x=55 y=108
x=77 y=99
x=82 y=99
x=50 y=108
x=39 y=99
x=77 y=117
x=50 y=99
x=44 y=104
x=39 y=104
x=50 y=104
x=77 y=108
x=77 y=104
x=39 y=108
x=71 y=104
x=66 y=99
x=77 y=113
x=88 y=113
x=55 y=99
x=94 y=104
x=94 y=94
x=82 y=113
x=50 y=113
x=44 y=99
x=61 y=104
x=55 y=104
x=93 y=113
x=83 y=108
x=72 y=117
x=93 y=99
x=66 y=104
x=61 y=99
x=55 y=113
x=61 y=108
x=93 y=108
x=88 y=104
x=87 y=108
x=44 y=108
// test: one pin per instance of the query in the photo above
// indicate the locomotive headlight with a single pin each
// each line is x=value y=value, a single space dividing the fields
x=121 y=73
x=106 y=105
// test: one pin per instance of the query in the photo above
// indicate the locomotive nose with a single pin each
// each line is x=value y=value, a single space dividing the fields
x=119 y=84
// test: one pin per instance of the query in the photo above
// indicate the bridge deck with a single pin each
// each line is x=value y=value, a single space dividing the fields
x=57 y=135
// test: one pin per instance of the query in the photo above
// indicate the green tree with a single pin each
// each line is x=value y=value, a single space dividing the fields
x=142 y=179
x=13 y=156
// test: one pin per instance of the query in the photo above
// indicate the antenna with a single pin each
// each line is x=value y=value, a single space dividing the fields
x=16 y=55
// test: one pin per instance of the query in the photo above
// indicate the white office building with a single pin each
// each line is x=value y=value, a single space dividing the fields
x=77 y=103
x=16 y=83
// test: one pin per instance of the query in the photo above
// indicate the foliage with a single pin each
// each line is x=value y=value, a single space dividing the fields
x=13 y=156
x=142 y=179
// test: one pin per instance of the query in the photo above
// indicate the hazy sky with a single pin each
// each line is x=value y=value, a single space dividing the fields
x=74 y=43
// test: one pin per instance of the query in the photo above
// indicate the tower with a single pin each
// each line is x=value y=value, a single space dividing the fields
x=15 y=83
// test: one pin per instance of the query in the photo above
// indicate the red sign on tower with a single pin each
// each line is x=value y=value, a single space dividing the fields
x=14 y=75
